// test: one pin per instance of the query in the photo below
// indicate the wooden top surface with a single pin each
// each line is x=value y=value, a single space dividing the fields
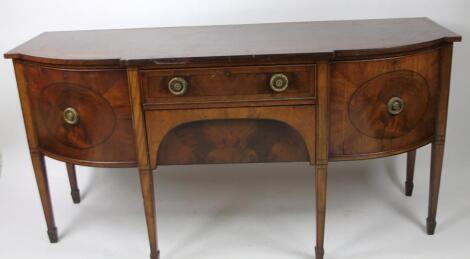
x=226 y=42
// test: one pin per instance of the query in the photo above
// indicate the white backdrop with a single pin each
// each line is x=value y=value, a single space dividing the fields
x=201 y=209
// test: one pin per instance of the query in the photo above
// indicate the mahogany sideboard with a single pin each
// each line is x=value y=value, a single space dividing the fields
x=303 y=91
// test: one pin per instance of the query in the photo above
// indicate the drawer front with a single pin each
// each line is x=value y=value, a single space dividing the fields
x=384 y=106
x=234 y=83
x=82 y=115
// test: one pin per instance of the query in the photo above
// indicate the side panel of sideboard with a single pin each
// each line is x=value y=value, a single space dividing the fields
x=361 y=125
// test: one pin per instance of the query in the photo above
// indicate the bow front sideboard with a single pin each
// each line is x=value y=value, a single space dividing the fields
x=304 y=91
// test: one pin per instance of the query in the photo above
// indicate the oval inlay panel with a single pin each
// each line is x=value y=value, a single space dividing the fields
x=368 y=110
x=96 y=117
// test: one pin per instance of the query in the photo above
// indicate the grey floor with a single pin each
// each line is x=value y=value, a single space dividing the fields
x=235 y=211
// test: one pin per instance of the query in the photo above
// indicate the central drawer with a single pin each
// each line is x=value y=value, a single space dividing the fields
x=228 y=84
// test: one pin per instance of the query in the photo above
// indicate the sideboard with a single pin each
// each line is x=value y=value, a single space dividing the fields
x=303 y=91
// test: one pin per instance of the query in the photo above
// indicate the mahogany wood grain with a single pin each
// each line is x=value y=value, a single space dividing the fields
x=321 y=160
x=40 y=172
x=228 y=84
x=228 y=44
x=410 y=171
x=342 y=76
x=37 y=158
x=145 y=171
x=103 y=133
x=225 y=102
x=26 y=108
x=138 y=120
x=437 y=147
x=147 y=185
x=232 y=141
x=74 y=191
x=361 y=125
x=160 y=124
x=373 y=119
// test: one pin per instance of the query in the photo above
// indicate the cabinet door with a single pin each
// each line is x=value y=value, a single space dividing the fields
x=82 y=115
x=383 y=106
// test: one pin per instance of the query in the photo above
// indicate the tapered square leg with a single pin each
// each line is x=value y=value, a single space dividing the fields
x=43 y=187
x=320 y=192
x=410 y=171
x=145 y=173
x=146 y=181
x=74 y=191
x=437 y=148
x=437 y=155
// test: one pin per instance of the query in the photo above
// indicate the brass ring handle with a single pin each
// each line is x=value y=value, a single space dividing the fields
x=178 y=86
x=279 y=82
x=71 y=116
x=395 y=105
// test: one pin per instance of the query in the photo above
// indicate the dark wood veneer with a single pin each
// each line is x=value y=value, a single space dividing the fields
x=342 y=77
x=228 y=84
x=359 y=121
x=260 y=42
x=232 y=141
x=104 y=132
x=299 y=118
